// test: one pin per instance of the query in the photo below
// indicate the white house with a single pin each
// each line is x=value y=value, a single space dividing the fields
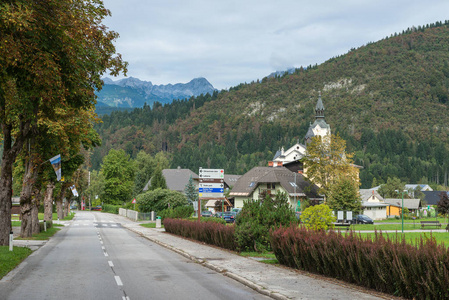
x=373 y=205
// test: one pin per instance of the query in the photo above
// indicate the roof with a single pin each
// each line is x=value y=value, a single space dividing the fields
x=408 y=203
x=214 y=203
x=365 y=194
x=231 y=180
x=319 y=103
x=294 y=183
x=176 y=179
x=422 y=187
x=432 y=197
x=374 y=204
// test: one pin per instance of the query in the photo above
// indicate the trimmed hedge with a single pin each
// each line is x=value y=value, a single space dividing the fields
x=418 y=271
x=208 y=232
x=113 y=209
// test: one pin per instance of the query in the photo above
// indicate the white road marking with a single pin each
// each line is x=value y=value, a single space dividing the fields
x=105 y=224
x=106 y=254
x=76 y=224
x=102 y=247
x=125 y=298
x=110 y=263
x=114 y=225
x=101 y=242
x=119 y=282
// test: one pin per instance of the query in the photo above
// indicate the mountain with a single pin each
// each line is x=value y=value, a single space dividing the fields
x=388 y=99
x=132 y=92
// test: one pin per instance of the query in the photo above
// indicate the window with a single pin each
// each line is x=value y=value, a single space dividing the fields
x=271 y=186
x=293 y=184
x=252 y=184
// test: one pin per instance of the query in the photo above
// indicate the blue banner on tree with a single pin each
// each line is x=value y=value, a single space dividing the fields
x=56 y=163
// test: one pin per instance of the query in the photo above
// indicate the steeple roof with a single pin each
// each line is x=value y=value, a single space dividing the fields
x=319 y=104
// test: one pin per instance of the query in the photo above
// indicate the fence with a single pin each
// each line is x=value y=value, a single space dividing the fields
x=135 y=215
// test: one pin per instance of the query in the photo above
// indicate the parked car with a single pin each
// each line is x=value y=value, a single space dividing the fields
x=97 y=208
x=363 y=219
x=206 y=214
x=236 y=210
x=218 y=214
x=229 y=216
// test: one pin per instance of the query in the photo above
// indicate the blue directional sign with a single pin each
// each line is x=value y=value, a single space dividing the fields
x=210 y=190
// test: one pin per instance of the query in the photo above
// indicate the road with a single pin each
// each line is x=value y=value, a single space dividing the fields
x=96 y=258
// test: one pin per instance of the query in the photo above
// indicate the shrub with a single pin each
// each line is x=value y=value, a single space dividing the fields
x=113 y=209
x=214 y=220
x=180 y=212
x=160 y=199
x=387 y=265
x=49 y=225
x=208 y=232
x=256 y=219
x=318 y=217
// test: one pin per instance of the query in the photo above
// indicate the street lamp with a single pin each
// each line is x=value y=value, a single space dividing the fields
x=402 y=208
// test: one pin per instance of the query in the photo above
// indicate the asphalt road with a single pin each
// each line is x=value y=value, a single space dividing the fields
x=95 y=258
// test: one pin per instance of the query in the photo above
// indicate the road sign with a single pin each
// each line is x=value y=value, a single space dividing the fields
x=211 y=185
x=211 y=180
x=134 y=201
x=211 y=195
x=211 y=173
x=210 y=190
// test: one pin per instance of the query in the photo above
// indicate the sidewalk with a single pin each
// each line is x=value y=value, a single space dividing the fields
x=276 y=282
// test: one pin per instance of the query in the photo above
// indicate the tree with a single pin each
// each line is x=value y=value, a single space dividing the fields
x=257 y=217
x=344 y=195
x=443 y=204
x=393 y=188
x=145 y=167
x=318 y=217
x=160 y=199
x=158 y=180
x=190 y=191
x=52 y=55
x=118 y=172
x=326 y=161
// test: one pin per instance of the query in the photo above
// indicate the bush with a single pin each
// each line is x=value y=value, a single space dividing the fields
x=256 y=218
x=318 y=217
x=208 y=232
x=389 y=266
x=160 y=199
x=113 y=209
x=213 y=220
x=180 y=212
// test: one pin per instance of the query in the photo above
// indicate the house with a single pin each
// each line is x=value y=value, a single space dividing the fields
x=432 y=197
x=267 y=180
x=422 y=187
x=395 y=206
x=176 y=179
x=216 y=205
x=373 y=205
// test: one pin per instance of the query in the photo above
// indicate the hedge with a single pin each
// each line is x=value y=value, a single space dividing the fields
x=208 y=232
x=418 y=271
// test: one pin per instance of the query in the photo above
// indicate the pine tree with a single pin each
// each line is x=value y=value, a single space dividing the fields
x=190 y=191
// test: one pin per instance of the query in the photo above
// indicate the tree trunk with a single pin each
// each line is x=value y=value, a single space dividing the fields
x=35 y=210
x=59 y=209
x=66 y=207
x=26 y=196
x=9 y=155
x=48 y=202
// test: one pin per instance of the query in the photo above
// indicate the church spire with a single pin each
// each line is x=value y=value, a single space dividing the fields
x=319 y=108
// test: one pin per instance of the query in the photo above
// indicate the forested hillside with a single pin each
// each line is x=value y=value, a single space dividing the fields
x=388 y=99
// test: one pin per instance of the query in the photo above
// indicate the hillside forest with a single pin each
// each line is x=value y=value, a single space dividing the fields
x=388 y=99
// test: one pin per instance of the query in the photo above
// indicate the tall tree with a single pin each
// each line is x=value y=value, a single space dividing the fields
x=52 y=54
x=344 y=195
x=190 y=191
x=118 y=171
x=326 y=161
x=443 y=204
x=393 y=188
x=158 y=180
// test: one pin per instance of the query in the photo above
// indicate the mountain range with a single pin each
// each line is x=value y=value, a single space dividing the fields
x=132 y=92
x=388 y=99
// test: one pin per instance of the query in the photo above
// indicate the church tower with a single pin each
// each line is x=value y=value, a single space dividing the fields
x=319 y=127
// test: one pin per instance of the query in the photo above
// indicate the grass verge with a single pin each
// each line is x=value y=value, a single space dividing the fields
x=44 y=235
x=150 y=225
x=10 y=259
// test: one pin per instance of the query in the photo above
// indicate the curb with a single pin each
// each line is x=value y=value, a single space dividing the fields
x=258 y=288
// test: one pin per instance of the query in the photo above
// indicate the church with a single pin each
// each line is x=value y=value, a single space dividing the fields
x=290 y=158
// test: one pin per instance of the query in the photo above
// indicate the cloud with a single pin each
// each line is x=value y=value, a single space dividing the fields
x=230 y=42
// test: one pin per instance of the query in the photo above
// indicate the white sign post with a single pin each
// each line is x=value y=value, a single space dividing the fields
x=211 y=185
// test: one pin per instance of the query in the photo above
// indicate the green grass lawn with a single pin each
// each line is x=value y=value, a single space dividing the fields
x=398 y=226
x=15 y=222
x=10 y=259
x=44 y=235
x=413 y=237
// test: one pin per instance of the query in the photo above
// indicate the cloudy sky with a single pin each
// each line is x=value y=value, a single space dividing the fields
x=230 y=42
